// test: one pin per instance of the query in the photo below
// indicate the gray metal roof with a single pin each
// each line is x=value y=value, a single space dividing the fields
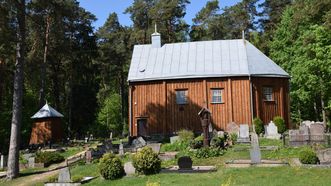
x=220 y=58
x=47 y=112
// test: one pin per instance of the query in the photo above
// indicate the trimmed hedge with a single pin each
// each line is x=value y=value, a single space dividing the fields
x=259 y=127
x=49 y=158
x=111 y=167
x=146 y=161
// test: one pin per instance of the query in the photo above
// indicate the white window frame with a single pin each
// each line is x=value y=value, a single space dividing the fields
x=219 y=94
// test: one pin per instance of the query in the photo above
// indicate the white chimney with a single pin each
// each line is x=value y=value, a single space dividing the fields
x=156 y=39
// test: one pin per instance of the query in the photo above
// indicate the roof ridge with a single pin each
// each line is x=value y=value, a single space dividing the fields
x=245 y=50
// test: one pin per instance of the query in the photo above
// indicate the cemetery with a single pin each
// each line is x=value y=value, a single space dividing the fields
x=165 y=92
x=237 y=151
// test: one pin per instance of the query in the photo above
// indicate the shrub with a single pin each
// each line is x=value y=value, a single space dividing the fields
x=146 y=161
x=308 y=156
x=197 y=142
x=152 y=183
x=185 y=135
x=280 y=123
x=49 y=158
x=77 y=178
x=207 y=152
x=52 y=179
x=111 y=167
x=233 y=137
x=176 y=146
x=258 y=123
x=217 y=142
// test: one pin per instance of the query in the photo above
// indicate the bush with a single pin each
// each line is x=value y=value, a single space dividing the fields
x=77 y=178
x=233 y=137
x=176 y=146
x=49 y=158
x=259 y=127
x=146 y=161
x=185 y=135
x=111 y=167
x=197 y=142
x=308 y=156
x=280 y=123
x=217 y=142
x=207 y=152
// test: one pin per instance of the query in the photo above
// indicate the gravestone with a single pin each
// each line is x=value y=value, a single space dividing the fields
x=31 y=162
x=185 y=162
x=317 y=133
x=108 y=145
x=324 y=156
x=232 y=128
x=307 y=123
x=155 y=147
x=243 y=134
x=255 y=151
x=88 y=156
x=129 y=168
x=299 y=137
x=111 y=136
x=271 y=131
x=173 y=139
x=120 y=149
x=3 y=161
x=64 y=175
x=220 y=134
x=86 y=139
x=139 y=142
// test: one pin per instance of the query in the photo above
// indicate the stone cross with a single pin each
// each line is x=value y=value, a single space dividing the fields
x=64 y=176
x=120 y=150
x=255 y=151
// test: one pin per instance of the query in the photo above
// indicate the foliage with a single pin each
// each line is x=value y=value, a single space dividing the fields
x=146 y=161
x=233 y=137
x=149 y=183
x=197 y=142
x=52 y=179
x=259 y=126
x=207 y=152
x=49 y=158
x=77 y=178
x=308 y=156
x=280 y=123
x=185 y=135
x=109 y=115
x=176 y=146
x=218 y=142
x=110 y=167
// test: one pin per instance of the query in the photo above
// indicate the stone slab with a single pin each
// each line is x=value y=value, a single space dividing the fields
x=64 y=176
x=129 y=169
x=155 y=147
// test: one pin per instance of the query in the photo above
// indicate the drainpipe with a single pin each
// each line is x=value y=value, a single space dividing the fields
x=130 y=111
x=251 y=101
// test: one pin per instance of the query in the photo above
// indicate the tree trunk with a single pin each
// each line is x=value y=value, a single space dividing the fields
x=43 y=66
x=1 y=83
x=323 y=110
x=13 y=158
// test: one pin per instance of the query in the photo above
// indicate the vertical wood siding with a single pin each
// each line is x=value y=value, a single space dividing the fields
x=156 y=101
x=267 y=110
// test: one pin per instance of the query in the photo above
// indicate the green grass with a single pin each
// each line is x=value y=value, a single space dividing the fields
x=71 y=151
x=244 y=176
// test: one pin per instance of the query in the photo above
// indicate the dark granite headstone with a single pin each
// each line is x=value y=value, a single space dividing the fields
x=185 y=162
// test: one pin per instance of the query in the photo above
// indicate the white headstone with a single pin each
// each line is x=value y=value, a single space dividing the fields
x=173 y=139
x=31 y=161
x=3 y=161
x=120 y=150
x=64 y=175
x=128 y=168
x=243 y=131
x=272 y=131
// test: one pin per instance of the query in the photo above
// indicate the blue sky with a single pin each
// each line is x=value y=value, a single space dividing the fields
x=102 y=8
